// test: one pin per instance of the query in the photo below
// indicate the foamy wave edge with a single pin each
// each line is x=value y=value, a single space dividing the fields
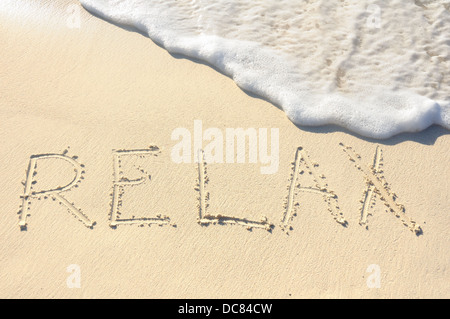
x=273 y=81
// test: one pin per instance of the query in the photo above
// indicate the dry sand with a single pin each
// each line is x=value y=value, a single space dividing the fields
x=100 y=88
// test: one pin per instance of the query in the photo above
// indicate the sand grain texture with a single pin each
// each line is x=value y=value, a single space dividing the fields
x=87 y=92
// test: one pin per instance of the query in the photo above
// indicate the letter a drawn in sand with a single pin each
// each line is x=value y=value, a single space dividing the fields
x=321 y=188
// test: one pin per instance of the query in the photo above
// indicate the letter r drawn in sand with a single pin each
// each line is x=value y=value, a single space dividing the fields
x=29 y=193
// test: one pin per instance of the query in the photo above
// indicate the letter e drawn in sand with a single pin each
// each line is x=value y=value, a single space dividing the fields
x=121 y=181
x=204 y=218
x=321 y=188
x=55 y=194
x=377 y=184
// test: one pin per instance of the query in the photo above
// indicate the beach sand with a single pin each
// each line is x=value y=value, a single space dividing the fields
x=88 y=91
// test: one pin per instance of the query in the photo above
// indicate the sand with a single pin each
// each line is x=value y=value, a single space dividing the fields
x=91 y=91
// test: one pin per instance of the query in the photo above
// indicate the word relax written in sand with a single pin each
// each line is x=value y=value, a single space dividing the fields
x=376 y=185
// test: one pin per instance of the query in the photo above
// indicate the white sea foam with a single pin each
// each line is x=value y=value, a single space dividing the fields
x=378 y=68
